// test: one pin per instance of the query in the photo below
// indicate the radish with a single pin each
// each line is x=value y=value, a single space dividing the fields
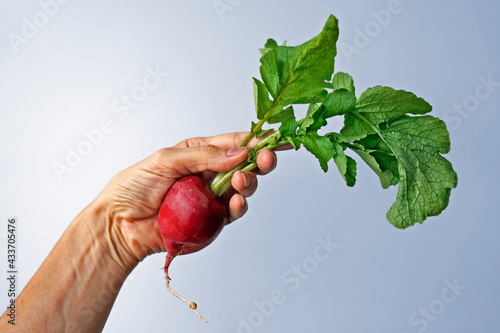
x=191 y=216
x=388 y=129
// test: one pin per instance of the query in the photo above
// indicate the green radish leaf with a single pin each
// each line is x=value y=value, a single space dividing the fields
x=387 y=162
x=381 y=105
x=288 y=130
x=252 y=155
x=294 y=75
x=378 y=155
x=278 y=115
x=288 y=127
x=339 y=102
x=308 y=120
x=321 y=147
x=336 y=103
x=374 y=142
x=378 y=127
x=343 y=81
x=350 y=175
x=314 y=119
x=269 y=71
x=300 y=74
x=345 y=164
x=253 y=126
x=386 y=176
x=261 y=96
x=425 y=176
x=336 y=137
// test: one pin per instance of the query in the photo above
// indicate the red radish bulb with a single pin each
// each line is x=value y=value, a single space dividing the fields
x=191 y=216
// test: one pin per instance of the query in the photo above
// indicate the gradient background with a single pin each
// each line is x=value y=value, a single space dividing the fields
x=65 y=79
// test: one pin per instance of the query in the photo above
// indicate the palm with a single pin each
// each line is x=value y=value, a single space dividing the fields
x=136 y=194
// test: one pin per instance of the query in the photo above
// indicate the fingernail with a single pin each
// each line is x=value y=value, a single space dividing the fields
x=245 y=179
x=235 y=151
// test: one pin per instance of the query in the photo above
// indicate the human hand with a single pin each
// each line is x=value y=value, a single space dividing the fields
x=131 y=201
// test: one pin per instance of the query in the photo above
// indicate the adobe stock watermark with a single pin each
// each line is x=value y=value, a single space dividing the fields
x=121 y=108
x=372 y=29
x=292 y=279
x=421 y=319
x=470 y=104
x=31 y=26
x=222 y=7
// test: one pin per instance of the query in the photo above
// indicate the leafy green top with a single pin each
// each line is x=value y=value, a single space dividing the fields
x=380 y=126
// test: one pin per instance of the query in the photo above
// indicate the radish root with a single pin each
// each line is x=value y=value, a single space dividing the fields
x=192 y=305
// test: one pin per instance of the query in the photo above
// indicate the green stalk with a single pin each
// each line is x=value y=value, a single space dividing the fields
x=250 y=135
x=223 y=179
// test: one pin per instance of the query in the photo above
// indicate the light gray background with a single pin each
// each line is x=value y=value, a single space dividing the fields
x=65 y=79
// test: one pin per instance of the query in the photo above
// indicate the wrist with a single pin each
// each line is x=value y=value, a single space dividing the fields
x=76 y=286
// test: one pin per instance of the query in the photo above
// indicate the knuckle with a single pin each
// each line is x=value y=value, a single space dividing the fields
x=160 y=158
x=209 y=149
x=183 y=144
x=161 y=154
x=190 y=143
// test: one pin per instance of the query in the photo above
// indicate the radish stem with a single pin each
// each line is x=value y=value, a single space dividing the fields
x=223 y=179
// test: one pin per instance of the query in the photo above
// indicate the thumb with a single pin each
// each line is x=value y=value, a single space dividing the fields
x=186 y=161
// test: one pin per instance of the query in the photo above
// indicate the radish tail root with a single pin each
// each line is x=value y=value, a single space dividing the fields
x=192 y=305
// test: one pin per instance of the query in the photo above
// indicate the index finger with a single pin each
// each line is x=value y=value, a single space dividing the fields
x=228 y=140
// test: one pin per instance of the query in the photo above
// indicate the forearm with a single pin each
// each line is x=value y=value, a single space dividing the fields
x=75 y=288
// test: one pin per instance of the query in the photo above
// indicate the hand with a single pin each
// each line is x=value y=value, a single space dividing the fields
x=132 y=199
